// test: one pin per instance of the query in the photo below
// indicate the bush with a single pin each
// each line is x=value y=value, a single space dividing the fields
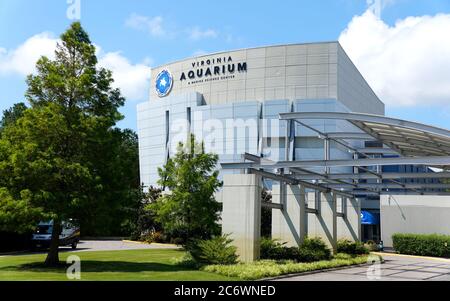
x=187 y=261
x=177 y=241
x=275 y=250
x=352 y=248
x=271 y=248
x=313 y=249
x=372 y=246
x=434 y=245
x=153 y=237
x=214 y=251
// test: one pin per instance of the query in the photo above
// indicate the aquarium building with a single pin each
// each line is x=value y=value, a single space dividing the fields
x=300 y=121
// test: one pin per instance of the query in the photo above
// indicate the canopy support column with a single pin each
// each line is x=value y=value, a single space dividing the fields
x=241 y=217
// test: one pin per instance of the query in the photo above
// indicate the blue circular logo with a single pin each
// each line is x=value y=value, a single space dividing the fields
x=164 y=83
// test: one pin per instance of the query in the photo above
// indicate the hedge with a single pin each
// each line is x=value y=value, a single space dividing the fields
x=310 y=250
x=433 y=245
x=349 y=247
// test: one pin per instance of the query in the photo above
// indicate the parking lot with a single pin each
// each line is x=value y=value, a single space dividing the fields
x=116 y=245
x=103 y=245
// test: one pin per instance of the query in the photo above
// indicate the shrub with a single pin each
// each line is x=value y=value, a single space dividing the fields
x=275 y=250
x=313 y=249
x=422 y=244
x=352 y=248
x=371 y=246
x=271 y=248
x=177 y=241
x=214 y=251
x=153 y=237
x=187 y=261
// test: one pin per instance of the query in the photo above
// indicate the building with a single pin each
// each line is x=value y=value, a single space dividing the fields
x=251 y=85
x=232 y=101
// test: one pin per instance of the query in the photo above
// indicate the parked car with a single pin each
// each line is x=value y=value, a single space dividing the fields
x=69 y=236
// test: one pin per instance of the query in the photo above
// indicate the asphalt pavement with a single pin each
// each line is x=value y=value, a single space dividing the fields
x=118 y=245
x=395 y=268
x=102 y=245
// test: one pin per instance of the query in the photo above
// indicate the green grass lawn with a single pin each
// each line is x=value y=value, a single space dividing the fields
x=137 y=265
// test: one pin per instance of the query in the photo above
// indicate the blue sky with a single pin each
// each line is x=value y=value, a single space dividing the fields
x=136 y=34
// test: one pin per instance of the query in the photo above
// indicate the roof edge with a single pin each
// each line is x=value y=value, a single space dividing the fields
x=241 y=49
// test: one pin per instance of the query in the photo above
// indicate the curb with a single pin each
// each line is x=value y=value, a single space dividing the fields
x=103 y=238
x=412 y=256
x=144 y=243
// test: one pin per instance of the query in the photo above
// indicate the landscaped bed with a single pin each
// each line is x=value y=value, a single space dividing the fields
x=271 y=268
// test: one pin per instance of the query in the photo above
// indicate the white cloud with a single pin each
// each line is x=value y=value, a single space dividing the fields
x=22 y=60
x=132 y=79
x=154 y=25
x=197 y=33
x=406 y=64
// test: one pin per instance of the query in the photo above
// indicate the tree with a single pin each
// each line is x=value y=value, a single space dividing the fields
x=11 y=115
x=142 y=220
x=189 y=210
x=114 y=211
x=17 y=215
x=55 y=153
x=266 y=214
x=117 y=163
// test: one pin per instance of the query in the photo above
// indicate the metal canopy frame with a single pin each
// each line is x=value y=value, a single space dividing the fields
x=406 y=137
x=413 y=143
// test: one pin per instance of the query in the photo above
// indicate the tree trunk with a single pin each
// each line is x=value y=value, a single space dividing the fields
x=53 y=253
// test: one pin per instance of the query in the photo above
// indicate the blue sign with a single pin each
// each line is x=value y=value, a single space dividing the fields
x=369 y=218
x=164 y=83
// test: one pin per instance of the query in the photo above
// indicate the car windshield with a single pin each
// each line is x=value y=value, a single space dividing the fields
x=44 y=229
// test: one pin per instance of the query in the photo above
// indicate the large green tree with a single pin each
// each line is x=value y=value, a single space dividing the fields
x=189 y=210
x=11 y=115
x=64 y=157
x=117 y=164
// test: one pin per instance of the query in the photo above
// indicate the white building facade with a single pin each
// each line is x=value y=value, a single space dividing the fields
x=231 y=101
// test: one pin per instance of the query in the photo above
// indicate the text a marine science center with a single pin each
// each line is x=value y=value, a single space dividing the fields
x=232 y=101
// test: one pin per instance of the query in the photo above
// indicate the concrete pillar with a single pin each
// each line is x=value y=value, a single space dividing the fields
x=241 y=217
x=335 y=229
x=349 y=226
x=324 y=223
x=290 y=224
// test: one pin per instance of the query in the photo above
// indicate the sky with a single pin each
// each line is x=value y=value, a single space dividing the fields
x=402 y=47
